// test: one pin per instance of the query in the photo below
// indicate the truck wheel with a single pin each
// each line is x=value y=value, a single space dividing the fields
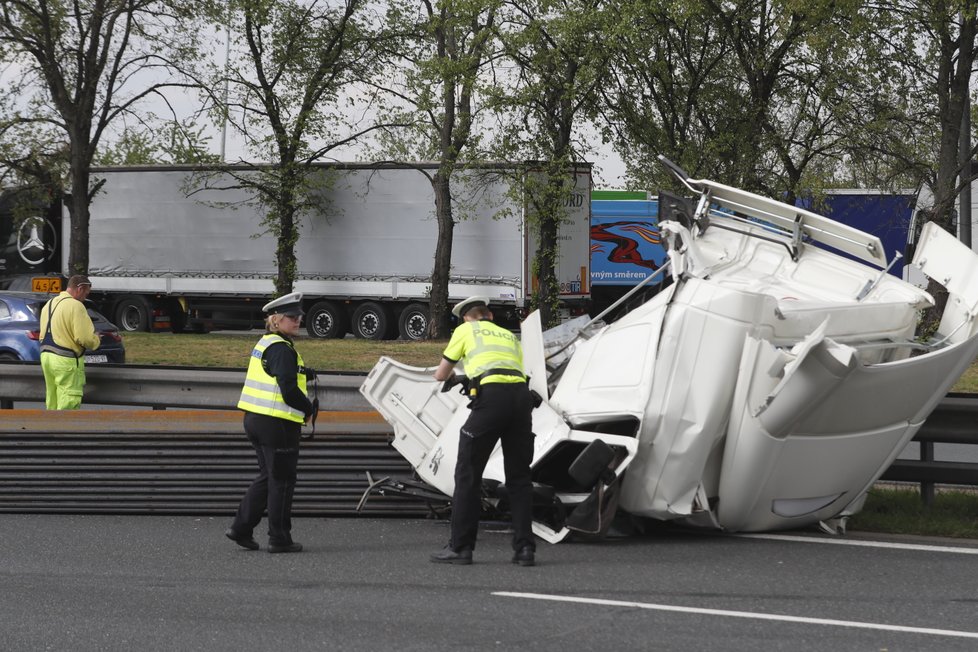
x=413 y=323
x=132 y=315
x=326 y=320
x=372 y=321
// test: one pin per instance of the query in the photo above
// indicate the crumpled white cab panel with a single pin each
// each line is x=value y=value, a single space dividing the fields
x=423 y=418
x=427 y=423
x=613 y=369
x=949 y=262
x=836 y=426
x=687 y=409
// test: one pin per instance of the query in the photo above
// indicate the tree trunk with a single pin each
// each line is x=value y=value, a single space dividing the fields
x=954 y=79
x=547 y=295
x=439 y=326
x=548 y=290
x=78 y=209
x=287 y=229
x=285 y=250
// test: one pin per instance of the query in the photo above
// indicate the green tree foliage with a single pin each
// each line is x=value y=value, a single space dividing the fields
x=666 y=91
x=933 y=54
x=31 y=159
x=754 y=94
x=439 y=52
x=78 y=68
x=785 y=96
x=556 y=57
x=286 y=89
x=176 y=144
x=929 y=59
x=778 y=96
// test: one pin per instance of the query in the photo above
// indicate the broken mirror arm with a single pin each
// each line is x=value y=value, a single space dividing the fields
x=871 y=285
x=677 y=171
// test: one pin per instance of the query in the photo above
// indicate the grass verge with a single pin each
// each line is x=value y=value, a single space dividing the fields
x=213 y=350
x=900 y=510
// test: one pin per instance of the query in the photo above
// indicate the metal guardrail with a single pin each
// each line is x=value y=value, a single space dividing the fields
x=162 y=387
x=186 y=462
x=954 y=421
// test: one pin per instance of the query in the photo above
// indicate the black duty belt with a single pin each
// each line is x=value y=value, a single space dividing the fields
x=500 y=372
x=476 y=382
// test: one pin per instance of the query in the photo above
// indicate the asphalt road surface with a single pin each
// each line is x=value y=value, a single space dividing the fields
x=175 y=583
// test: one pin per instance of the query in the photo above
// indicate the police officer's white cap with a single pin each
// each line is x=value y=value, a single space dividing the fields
x=463 y=306
x=290 y=304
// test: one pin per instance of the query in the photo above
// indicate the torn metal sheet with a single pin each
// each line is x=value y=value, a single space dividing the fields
x=766 y=387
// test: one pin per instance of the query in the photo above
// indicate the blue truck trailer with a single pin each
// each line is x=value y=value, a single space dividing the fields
x=625 y=243
x=887 y=215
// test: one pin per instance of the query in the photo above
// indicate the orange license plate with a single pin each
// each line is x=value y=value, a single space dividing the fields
x=46 y=284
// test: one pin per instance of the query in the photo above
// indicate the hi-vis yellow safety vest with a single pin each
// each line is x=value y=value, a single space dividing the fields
x=261 y=393
x=491 y=354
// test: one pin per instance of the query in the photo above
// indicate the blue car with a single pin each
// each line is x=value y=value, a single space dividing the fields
x=20 y=330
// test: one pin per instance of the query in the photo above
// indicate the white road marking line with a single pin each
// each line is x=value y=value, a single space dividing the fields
x=740 y=614
x=867 y=544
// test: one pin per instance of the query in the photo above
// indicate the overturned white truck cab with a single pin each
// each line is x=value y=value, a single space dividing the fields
x=767 y=387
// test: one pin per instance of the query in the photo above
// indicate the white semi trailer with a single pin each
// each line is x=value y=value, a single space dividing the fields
x=162 y=256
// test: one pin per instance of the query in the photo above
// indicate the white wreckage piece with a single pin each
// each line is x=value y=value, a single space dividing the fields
x=768 y=387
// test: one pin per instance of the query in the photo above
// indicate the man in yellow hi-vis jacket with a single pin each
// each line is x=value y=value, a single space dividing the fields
x=66 y=331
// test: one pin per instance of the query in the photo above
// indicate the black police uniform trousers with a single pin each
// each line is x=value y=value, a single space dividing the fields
x=501 y=412
x=276 y=443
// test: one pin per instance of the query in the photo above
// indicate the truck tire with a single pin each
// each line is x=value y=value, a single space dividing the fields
x=326 y=320
x=413 y=322
x=132 y=315
x=372 y=321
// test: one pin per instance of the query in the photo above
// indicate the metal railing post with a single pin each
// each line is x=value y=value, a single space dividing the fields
x=927 y=488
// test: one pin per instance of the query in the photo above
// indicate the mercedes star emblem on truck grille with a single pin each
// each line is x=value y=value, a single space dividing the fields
x=36 y=240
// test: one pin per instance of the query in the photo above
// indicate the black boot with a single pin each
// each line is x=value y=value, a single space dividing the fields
x=448 y=556
x=243 y=541
x=524 y=556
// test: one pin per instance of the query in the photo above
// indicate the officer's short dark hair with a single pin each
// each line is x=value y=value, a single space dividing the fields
x=78 y=280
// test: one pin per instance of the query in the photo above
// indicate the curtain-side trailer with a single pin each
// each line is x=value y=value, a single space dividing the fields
x=169 y=250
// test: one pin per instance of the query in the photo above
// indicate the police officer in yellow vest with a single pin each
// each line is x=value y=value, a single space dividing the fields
x=276 y=406
x=501 y=408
